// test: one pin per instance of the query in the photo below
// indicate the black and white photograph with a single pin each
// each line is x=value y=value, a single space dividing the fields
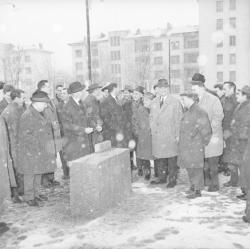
x=124 y=124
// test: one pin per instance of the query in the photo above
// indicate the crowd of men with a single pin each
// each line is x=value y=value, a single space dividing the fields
x=200 y=130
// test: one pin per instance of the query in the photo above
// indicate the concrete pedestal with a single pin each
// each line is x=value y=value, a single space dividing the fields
x=99 y=181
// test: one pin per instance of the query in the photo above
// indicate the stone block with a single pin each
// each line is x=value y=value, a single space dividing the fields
x=103 y=146
x=99 y=181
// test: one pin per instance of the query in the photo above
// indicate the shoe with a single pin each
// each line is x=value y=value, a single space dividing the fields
x=213 y=189
x=155 y=182
x=41 y=198
x=227 y=184
x=3 y=228
x=55 y=183
x=194 y=195
x=242 y=197
x=190 y=191
x=147 y=177
x=245 y=219
x=17 y=199
x=32 y=203
x=140 y=172
x=171 y=184
x=65 y=177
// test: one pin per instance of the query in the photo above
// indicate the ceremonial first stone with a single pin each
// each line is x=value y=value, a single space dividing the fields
x=99 y=181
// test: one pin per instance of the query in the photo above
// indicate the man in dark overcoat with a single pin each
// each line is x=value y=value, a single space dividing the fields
x=75 y=126
x=238 y=136
x=195 y=134
x=7 y=89
x=36 y=150
x=12 y=115
x=111 y=114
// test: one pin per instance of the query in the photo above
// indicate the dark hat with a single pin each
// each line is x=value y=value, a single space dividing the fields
x=109 y=87
x=246 y=90
x=198 y=79
x=8 y=88
x=190 y=95
x=128 y=88
x=149 y=95
x=140 y=89
x=39 y=96
x=75 y=87
x=2 y=85
x=162 y=83
x=16 y=93
x=92 y=87
x=220 y=86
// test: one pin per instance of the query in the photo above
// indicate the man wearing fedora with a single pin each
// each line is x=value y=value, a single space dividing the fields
x=75 y=125
x=111 y=114
x=92 y=105
x=212 y=105
x=238 y=137
x=165 y=118
x=36 y=150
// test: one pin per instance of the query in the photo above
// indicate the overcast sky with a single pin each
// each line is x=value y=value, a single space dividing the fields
x=55 y=23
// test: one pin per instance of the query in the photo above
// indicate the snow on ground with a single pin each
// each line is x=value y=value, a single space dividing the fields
x=153 y=217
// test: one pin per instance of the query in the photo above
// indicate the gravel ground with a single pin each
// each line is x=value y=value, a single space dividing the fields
x=153 y=217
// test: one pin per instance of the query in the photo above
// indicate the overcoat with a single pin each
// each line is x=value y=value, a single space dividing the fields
x=246 y=163
x=3 y=105
x=165 y=126
x=74 y=122
x=12 y=115
x=142 y=131
x=36 y=150
x=111 y=114
x=212 y=105
x=240 y=127
x=92 y=107
x=195 y=134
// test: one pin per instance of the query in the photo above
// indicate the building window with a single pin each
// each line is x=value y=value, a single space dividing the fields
x=28 y=70
x=175 y=45
x=232 y=40
x=142 y=45
x=219 y=59
x=219 y=6
x=142 y=60
x=219 y=76
x=232 y=22
x=175 y=59
x=232 y=4
x=115 y=41
x=115 y=68
x=27 y=58
x=219 y=24
x=232 y=76
x=158 y=46
x=158 y=74
x=79 y=66
x=78 y=53
x=95 y=63
x=158 y=60
x=191 y=42
x=115 y=55
x=190 y=58
x=175 y=74
x=232 y=59
x=220 y=44
x=94 y=52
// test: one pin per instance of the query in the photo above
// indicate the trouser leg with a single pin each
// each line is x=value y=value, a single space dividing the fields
x=29 y=191
x=207 y=179
x=213 y=169
x=156 y=171
x=234 y=178
x=242 y=177
x=162 y=164
x=248 y=205
x=172 y=169
x=65 y=166
x=196 y=178
x=190 y=176
x=139 y=163
x=37 y=184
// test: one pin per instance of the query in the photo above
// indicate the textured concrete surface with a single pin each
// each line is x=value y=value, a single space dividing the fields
x=151 y=218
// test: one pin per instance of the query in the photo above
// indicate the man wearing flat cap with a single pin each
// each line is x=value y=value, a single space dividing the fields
x=195 y=134
x=7 y=89
x=92 y=107
x=111 y=114
x=36 y=150
x=165 y=117
x=75 y=124
x=239 y=137
x=212 y=105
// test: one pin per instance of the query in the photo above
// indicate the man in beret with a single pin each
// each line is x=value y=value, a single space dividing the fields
x=12 y=115
x=111 y=114
x=75 y=124
x=165 y=118
x=36 y=150
x=195 y=134
x=238 y=137
x=92 y=106
x=7 y=89
x=212 y=105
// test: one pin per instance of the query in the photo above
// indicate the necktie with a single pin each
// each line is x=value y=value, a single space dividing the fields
x=161 y=102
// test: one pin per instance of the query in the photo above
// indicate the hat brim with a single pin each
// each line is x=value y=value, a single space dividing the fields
x=45 y=100
x=94 y=88
x=79 y=89
x=197 y=83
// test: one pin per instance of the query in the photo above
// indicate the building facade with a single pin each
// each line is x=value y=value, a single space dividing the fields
x=224 y=37
x=140 y=58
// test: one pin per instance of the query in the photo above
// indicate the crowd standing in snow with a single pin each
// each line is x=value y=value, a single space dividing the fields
x=202 y=131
